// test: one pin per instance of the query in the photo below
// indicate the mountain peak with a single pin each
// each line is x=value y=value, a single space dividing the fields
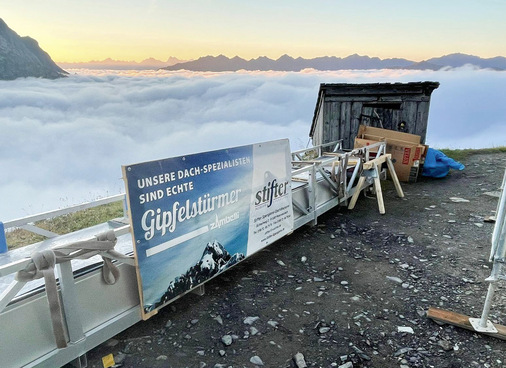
x=22 y=57
x=355 y=61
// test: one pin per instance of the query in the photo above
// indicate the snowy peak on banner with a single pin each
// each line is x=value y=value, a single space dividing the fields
x=214 y=260
x=214 y=255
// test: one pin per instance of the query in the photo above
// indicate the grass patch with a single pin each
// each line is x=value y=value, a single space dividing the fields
x=461 y=154
x=66 y=224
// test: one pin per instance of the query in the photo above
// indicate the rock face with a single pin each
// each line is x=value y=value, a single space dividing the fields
x=22 y=57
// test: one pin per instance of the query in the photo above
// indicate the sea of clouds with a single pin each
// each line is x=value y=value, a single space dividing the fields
x=63 y=142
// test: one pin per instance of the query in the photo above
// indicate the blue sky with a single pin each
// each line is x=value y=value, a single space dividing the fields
x=136 y=30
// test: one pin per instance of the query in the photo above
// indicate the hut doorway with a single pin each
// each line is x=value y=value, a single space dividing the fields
x=385 y=115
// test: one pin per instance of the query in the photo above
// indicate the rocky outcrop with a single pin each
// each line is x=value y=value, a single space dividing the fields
x=22 y=57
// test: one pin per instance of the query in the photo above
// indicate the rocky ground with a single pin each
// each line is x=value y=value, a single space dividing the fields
x=352 y=291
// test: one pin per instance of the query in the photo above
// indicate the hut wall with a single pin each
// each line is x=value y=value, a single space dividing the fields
x=342 y=108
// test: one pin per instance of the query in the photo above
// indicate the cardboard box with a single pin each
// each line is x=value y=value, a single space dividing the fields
x=406 y=158
x=388 y=134
x=361 y=142
x=408 y=154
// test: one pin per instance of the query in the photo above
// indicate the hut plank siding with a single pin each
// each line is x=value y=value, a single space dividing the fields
x=422 y=115
x=350 y=98
x=345 y=118
x=326 y=123
x=333 y=121
x=396 y=121
x=341 y=108
x=356 y=110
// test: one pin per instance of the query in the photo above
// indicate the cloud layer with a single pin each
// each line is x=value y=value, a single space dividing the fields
x=64 y=141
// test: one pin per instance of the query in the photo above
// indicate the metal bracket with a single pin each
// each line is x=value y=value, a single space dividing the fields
x=489 y=328
x=199 y=290
x=371 y=173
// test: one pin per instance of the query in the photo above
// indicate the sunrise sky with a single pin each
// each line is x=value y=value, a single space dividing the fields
x=72 y=31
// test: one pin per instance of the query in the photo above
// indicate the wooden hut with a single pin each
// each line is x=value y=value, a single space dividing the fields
x=341 y=108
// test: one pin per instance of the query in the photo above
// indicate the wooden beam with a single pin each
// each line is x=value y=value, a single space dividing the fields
x=379 y=193
x=394 y=177
x=354 y=198
x=377 y=161
x=461 y=320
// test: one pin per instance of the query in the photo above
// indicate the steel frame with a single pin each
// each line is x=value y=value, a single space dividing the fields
x=497 y=256
x=94 y=311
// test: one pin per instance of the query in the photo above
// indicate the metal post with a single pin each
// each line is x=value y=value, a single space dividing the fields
x=3 y=240
x=497 y=254
x=488 y=303
x=70 y=302
x=500 y=222
x=312 y=193
x=354 y=176
x=125 y=207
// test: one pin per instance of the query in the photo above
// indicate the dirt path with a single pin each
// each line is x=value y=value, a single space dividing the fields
x=340 y=292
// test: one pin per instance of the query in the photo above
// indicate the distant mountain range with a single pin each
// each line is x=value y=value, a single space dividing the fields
x=222 y=63
x=22 y=57
x=109 y=63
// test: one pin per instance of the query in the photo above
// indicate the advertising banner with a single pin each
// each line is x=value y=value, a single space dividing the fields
x=195 y=216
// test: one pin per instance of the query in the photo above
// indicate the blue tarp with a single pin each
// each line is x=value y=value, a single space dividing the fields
x=437 y=164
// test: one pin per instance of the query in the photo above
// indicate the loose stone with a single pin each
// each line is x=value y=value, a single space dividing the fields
x=256 y=360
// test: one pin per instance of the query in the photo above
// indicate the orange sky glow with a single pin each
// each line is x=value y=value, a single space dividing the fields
x=136 y=30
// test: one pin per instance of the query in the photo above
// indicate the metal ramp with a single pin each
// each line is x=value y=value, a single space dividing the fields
x=322 y=178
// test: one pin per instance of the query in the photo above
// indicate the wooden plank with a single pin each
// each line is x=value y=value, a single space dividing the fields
x=408 y=115
x=377 y=161
x=391 y=99
x=334 y=122
x=326 y=123
x=396 y=119
x=351 y=98
x=394 y=177
x=354 y=198
x=348 y=140
x=373 y=89
x=356 y=110
x=379 y=192
x=318 y=130
x=421 y=120
x=461 y=320
x=340 y=126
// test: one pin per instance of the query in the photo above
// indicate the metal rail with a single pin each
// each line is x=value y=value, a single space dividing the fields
x=28 y=223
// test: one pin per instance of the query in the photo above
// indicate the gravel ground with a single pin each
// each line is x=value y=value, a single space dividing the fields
x=352 y=291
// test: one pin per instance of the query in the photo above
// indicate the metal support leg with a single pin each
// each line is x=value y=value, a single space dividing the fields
x=483 y=324
x=80 y=362
x=312 y=194
x=199 y=290
x=70 y=302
